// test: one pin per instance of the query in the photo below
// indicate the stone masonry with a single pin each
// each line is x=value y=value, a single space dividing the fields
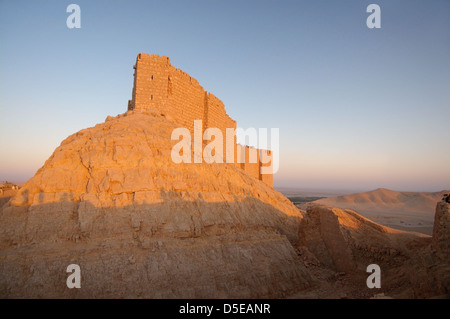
x=159 y=85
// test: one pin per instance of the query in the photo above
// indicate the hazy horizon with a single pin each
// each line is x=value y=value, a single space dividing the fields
x=357 y=108
x=295 y=189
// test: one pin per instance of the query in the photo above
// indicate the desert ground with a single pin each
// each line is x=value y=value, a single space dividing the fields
x=410 y=211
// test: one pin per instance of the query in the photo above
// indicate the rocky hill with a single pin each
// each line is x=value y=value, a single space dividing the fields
x=111 y=200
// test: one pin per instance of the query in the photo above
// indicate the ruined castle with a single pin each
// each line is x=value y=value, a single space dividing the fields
x=159 y=85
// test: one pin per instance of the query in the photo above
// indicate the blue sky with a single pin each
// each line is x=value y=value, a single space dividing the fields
x=357 y=108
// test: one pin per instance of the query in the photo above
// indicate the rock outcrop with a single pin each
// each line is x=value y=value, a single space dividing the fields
x=345 y=241
x=111 y=200
x=413 y=265
x=441 y=230
x=429 y=270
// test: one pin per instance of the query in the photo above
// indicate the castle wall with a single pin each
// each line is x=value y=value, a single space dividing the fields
x=266 y=161
x=159 y=85
x=252 y=163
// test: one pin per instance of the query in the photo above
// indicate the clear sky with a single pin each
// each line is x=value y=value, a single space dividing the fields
x=357 y=108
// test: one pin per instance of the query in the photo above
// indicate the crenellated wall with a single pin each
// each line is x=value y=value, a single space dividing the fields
x=159 y=85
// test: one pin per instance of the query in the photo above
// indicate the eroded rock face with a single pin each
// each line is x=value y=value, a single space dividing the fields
x=111 y=200
x=441 y=230
x=346 y=241
x=412 y=265
x=430 y=269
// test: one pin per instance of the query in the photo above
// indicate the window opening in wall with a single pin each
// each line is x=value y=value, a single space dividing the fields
x=169 y=86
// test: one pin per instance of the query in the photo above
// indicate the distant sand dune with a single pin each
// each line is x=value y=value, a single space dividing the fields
x=411 y=211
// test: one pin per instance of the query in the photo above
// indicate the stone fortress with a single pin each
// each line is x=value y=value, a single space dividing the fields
x=159 y=85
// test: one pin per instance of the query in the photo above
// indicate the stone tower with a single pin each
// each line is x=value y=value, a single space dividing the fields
x=159 y=85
